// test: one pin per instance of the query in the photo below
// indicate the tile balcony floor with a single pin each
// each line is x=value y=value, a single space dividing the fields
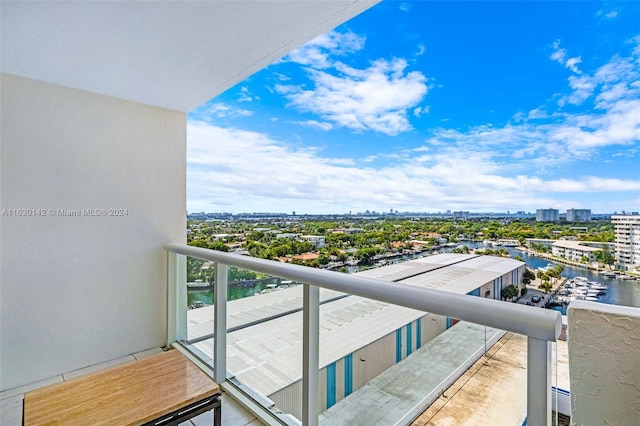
x=233 y=414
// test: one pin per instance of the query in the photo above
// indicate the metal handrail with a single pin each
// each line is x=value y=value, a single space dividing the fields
x=542 y=324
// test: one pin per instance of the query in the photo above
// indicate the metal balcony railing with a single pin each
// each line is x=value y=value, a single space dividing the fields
x=542 y=326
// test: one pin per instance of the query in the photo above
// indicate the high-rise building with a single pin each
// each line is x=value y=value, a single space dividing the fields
x=627 y=229
x=461 y=215
x=547 y=215
x=578 y=215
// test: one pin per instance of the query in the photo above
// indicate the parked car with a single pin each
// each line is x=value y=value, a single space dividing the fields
x=535 y=299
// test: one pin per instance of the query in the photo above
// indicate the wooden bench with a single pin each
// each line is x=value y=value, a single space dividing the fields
x=163 y=389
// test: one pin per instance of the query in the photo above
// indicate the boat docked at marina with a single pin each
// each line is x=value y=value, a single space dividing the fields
x=580 y=288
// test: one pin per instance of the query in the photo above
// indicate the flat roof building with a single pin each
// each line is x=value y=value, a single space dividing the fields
x=264 y=351
x=576 y=251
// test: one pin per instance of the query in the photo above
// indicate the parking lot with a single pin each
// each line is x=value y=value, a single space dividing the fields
x=532 y=294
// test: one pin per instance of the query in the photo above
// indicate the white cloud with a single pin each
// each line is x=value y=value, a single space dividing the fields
x=219 y=110
x=245 y=95
x=316 y=125
x=572 y=64
x=319 y=51
x=487 y=167
x=377 y=98
x=607 y=15
x=560 y=55
x=614 y=120
x=419 y=111
x=253 y=172
x=537 y=113
x=614 y=81
x=421 y=49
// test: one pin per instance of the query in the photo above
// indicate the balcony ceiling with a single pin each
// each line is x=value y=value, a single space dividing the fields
x=174 y=55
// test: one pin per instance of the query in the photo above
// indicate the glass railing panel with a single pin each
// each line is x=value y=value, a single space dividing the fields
x=264 y=341
x=389 y=364
x=264 y=332
x=561 y=396
x=362 y=341
x=195 y=307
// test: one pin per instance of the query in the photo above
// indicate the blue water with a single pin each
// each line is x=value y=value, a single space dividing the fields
x=620 y=292
x=626 y=293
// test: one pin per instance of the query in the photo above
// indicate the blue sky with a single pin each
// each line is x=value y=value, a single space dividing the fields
x=434 y=106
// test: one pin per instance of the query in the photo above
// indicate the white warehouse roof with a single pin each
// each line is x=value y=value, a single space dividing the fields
x=268 y=355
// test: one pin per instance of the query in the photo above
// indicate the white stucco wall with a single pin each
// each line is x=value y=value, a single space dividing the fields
x=604 y=362
x=75 y=291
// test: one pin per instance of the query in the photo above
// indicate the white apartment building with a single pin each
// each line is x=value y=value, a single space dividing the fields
x=317 y=240
x=575 y=251
x=627 y=229
x=547 y=215
x=578 y=215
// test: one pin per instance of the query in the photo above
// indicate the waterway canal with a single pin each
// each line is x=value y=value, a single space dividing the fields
x=620 y=292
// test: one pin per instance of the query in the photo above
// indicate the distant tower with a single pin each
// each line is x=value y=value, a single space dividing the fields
x=578 y=215
x=461 y=215
x=547 y=215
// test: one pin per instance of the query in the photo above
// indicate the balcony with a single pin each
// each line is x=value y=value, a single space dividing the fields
x=294 y=381
x=210 y=336
x=86 y=128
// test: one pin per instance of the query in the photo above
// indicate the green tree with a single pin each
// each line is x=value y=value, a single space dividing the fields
x=605 y=256
x=237 y=274
x=194 y=269
x=200 y=242
x=461 y=250
x=545 y=286
x=218 y=245
x=528 y=273
x=365 y=255
x=509 y=292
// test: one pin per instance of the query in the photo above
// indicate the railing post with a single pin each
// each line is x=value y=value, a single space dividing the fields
x=310 y=357
x=176 y=297
x=220 y=324
x=538 y=382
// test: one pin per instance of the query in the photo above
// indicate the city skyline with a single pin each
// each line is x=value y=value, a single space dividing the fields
x=433 y=106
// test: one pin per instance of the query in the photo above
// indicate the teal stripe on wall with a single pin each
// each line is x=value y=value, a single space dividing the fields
x=418 y=334
x=331 y=384
x=348 y=374
x=409 y=342
x=398 y=345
